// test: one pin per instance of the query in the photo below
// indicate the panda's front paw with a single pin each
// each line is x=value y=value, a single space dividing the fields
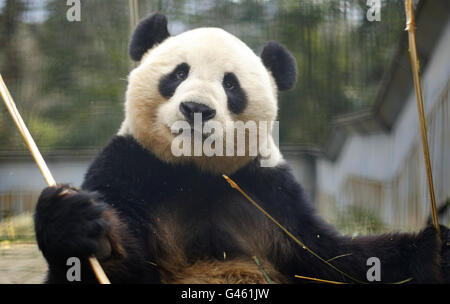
x=69 y=223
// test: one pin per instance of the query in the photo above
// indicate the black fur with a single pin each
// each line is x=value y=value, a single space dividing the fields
x=150 y=31
x=72 y=225
x=190 y=108
x=58 y=213
x=212 y=218
x=169 y=83
x=237 y=99
x=281 y=63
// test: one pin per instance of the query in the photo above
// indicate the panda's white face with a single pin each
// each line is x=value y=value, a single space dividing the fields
x=205 y=70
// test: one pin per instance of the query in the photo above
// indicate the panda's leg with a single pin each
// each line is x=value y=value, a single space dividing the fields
x=75 y=224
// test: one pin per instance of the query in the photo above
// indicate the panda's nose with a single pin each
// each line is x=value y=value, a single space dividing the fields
x=189 y=108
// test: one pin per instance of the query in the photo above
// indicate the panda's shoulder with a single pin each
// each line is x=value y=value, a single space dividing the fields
x=256 y=175
x=275 y=184
x=122 y=155
x=121 y=150
x=122 y=147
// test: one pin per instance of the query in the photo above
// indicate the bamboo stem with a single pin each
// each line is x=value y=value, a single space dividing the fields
x=236 y=186
x=411 y=28
x=318 y=280
x=133 y=6
x=98 y=270
x=11 y=106
x=25 y=133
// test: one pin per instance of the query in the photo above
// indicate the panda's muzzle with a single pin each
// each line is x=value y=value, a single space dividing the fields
x=189 y=108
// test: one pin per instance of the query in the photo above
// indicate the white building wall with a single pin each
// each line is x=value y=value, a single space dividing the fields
x=385 y=158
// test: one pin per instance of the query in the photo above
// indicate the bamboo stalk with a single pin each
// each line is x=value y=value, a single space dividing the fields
x=261 y=268
x=134 y=13
x=236 y=186
x=318 y=280
x=25 y=133
x=133 y=6
x=100 y=274
x=411 y=29
x=11 y=106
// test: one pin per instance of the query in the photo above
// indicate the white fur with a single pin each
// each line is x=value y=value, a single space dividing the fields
x=210 y=53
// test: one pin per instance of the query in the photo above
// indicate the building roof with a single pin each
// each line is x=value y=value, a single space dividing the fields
x=397 y=82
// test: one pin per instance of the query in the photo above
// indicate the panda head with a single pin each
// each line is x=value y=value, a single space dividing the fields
x=203 y=71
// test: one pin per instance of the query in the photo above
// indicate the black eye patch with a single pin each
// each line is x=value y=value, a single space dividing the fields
x=237 y=99
x=169 y=83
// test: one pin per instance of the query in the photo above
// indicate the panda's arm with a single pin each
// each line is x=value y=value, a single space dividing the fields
x=73 y=223
x=395 y=257
x=418 y=257
x=104 y=218
x=389 y=258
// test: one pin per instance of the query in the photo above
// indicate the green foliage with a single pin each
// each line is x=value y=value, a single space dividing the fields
x=68 y=78
x=17 y=228
x=355 y=220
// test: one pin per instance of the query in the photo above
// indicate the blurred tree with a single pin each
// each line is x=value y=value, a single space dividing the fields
x=84 y=64
x=341 y=58
x=10 y=62
x=71 y=77
x=9 y=23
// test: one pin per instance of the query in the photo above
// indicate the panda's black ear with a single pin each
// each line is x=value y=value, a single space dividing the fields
x=148 y=32
x=281 y=63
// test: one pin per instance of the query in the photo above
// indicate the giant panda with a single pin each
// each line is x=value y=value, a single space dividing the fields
x=152 y=217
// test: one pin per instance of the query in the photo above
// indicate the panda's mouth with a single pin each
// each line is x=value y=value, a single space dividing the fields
x=191 y=131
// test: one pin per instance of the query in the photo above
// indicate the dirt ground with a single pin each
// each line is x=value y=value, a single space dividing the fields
x=21 y=264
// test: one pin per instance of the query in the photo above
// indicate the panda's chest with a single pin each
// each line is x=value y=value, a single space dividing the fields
x=195 y=223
